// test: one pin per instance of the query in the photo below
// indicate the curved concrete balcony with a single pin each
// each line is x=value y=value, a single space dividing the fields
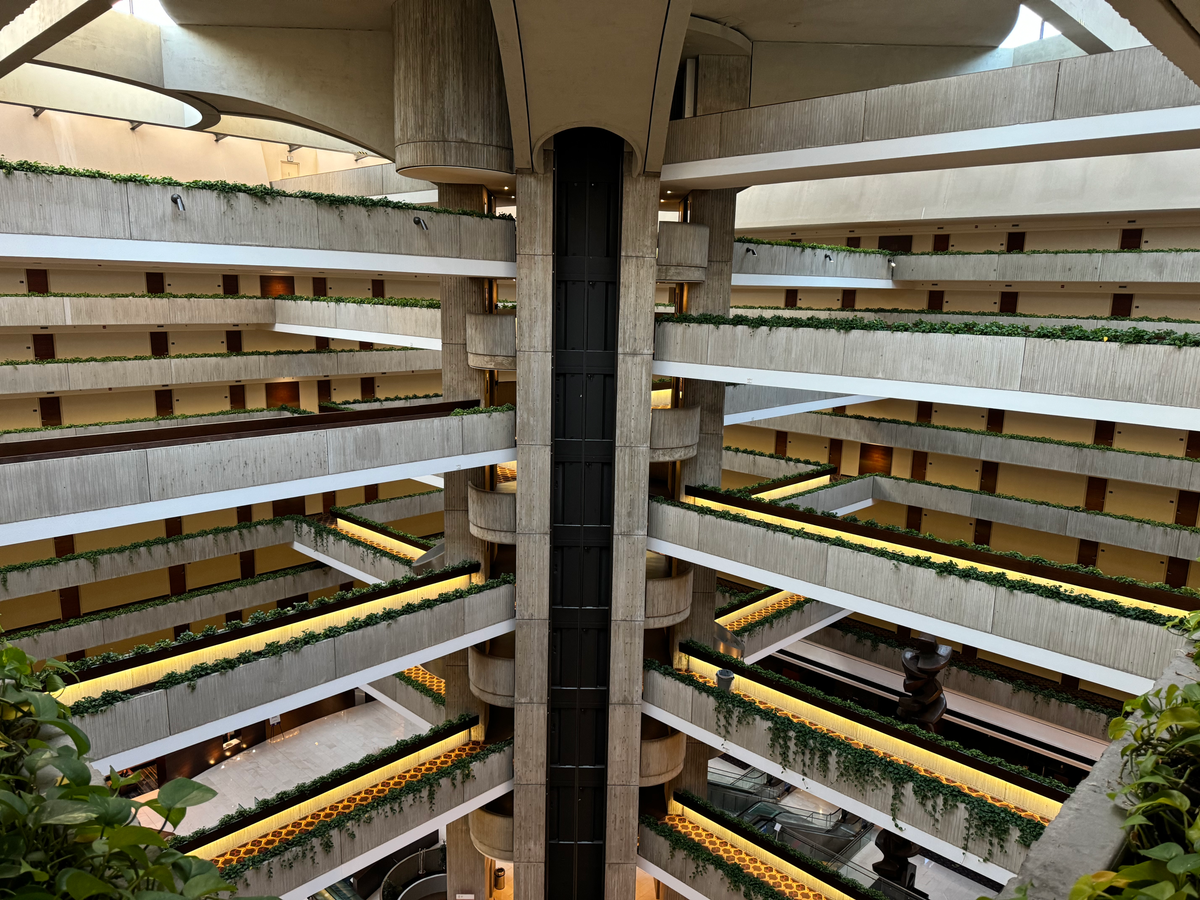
x=668 y=597
x=492 y=515
x=682 y=252
x=492 y=828
x=674 y=433
x=492 y=670
x=663 y=751
x=492 y=341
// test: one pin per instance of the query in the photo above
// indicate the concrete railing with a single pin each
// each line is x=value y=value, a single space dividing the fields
x=131 y=477
x=663 y=752
x=492 y=671
x=199 y=707
x=41 y=378
x=340 y=848
x=106 y=209
x=492 y=341
x=786 y=630
x=765 y=467
x=987 y=611
x=371 y=317
x=772 y=259
x=411 y=699
x=682 y=252
x=350 y=555
x=669 y=600
x=492 y=515
x=704 y=882
x=1100 y=462
x=398 y=508
x=492 y=833
x=143 y=622
x=739 y=734
x=1145 y=268
x=1092 y=526
x=1127 y=373
x=674 y=433
x=42 y=434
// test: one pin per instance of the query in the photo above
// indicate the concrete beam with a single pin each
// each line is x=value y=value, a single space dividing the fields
x=1091 y=25
x=42 y=25
x=1173 y=27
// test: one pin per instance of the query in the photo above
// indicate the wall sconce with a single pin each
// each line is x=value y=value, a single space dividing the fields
x=892 y=263
x=417 y=220
x=178 y=201
x=752 y=251
x=828 y=258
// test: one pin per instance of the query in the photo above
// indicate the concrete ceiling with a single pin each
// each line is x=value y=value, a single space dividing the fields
x=973 y=23
x=343 y=15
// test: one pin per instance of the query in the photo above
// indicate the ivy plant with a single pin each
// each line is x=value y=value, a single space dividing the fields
x=118 y=359
x=420 y=687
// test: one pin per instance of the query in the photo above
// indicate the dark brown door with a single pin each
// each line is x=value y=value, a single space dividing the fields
x=290 y=506
x=322 y=343
x=835 y=453
x=1186 y=508
x=912 y=519
x=1131 y=239
x=874 y=460
x=366 y=387
x=51 y=410
x=320 y=287
x=160 y=343
x=849 y=298
x=995 y=421
x=1089 y=552
x=277 y=285
x=156 y=283
x=43 y=346
x=1008 y=301
x=1122 y=306
x=233 y=341
x=1097 y=491
x=283 y=393
x=1177 y=571
x=920 y=462
x=896 y=243
x=378 y=288
x=790 y=297
x=781 y=439
x=1192 y=450
x=924 y=412
x=941 y=243
x=237 y=396
x=989 y=474
x=37 y=281
x=164 y=403
x=983 y=532
x=230 y=285
x=324 y=391
x=937 y=300
x=1103 y=435
x=1015 y=242
x=854 y=241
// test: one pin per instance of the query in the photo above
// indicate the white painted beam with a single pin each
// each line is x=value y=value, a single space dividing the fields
x=19 y=248
x=1037 y=656
x=96 y=519
x=813 y=281
x=1179 y=417
x=403 y=711
x=665 y=877
x=179 y=741
x=796 y=636
x=878 y=817
x=755 y=415
x=1091 y=25
x=347 y=334
x=853 y=507
x=333 y=563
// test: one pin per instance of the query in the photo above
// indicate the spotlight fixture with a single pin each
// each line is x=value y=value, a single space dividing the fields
x=892 y=263
x=828 y=258
x=752 y=251
x=178 y=201
x=417 y=220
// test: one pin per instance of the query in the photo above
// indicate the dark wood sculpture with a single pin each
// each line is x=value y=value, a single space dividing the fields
x=924 y=701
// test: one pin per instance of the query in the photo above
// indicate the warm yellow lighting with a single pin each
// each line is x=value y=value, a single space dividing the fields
x=789 y=490
x=383 y=541
x=661 y=398
x=151 y=672
x=862 y=540
x=741 y=617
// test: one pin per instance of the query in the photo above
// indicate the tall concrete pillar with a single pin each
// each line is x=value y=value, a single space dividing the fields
x=535 y=344
x=460 y=297
x=631 y=467
x=466 y=867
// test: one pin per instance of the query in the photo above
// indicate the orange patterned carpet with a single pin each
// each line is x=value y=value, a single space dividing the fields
x=782 y=603
x=300 y=826
x=426 y=679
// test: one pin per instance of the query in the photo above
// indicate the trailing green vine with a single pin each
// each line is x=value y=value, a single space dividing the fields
x=413 y=302
x=483 y=410
x=301 y=846
x=788 y=459
x=901 y=254
x=399 y=535
x=811 y=752
x=308 y=789
x=175 y=418
x=258 y=191
x=778 y=615
x=949 y=567
x=398 y=397
x=985 y=329
x=90 y=705
x=421 y=688
x=118 y=359
x=983 y=313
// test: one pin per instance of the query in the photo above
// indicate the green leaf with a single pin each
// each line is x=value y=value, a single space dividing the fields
x=184 y=792
x=134 y=834
x=81 y=885
x=1169 y=850
x=204 y=884
x=61 y=812
x=1180 y=865
x=76 y=771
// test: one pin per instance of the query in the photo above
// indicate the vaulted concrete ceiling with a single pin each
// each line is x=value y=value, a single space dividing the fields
x=964 y=23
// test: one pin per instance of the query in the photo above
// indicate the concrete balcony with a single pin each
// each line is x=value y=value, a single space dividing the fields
x=492 y=669
x=663 y=751
x=492 y=341
x=492 y=829
x=674 y=433
x=492 y=515
x=682 y=252
x=668 y=597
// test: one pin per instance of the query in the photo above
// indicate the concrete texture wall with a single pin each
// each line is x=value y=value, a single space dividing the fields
x=491 y=341
x=492 y=515
x=674 y=433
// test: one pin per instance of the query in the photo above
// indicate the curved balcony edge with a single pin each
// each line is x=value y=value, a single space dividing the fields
x=491 y=833
x=492 y=515
x=674 y=433
x=493 y=679
x=669 y=600
x=491 y=341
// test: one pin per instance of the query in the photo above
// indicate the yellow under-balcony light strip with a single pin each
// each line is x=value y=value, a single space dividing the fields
x=741 y=617
x=789 y=490
x=151 y=672
x=379 y=539
x=661 y=399
x=905 y=550
x=990 y=787
x=334 y=795
x=758 y=863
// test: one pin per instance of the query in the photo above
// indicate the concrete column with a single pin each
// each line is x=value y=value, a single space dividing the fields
x=461 y=296
x=631 y=467
x=716 y=210
x=535 y=343
x=466 y=867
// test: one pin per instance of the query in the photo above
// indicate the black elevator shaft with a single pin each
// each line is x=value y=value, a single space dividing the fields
x=587 y=233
